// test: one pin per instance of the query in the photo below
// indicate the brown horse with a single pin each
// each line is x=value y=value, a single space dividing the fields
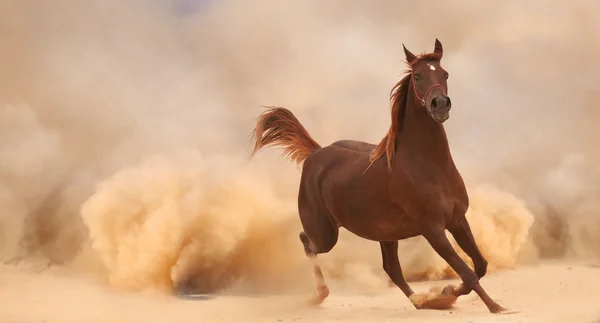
x=406 y=186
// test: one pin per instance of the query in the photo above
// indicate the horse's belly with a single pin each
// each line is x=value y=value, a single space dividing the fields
x=378 y=225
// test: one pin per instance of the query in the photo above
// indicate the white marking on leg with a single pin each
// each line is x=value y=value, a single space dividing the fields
x=431 y=67
x=318 y=272
x=322 y=289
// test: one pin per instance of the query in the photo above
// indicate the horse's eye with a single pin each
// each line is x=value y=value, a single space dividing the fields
x=417 y=77
x=446 y=75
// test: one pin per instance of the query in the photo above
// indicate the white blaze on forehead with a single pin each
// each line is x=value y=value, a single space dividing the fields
x=431 y=67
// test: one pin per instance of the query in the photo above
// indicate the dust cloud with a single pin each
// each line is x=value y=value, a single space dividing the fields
x=189 y=222
x=124 y=132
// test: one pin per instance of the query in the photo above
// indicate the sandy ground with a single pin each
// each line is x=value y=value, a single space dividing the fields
x=551 y=292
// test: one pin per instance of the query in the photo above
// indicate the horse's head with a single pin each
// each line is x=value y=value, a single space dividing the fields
x=429 y=82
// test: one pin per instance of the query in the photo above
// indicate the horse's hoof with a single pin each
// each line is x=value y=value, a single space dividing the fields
x=322 y=293
x=449 y=290
x=433 y=301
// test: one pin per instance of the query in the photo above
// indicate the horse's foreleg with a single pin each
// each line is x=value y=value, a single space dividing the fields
x=391 y=265
x=464 y=237
x=311 y=253
x=438 y=240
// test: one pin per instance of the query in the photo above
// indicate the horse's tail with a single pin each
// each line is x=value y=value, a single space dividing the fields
x=279 y=127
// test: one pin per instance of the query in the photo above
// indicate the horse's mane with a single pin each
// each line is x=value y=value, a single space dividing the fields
x=398 y=99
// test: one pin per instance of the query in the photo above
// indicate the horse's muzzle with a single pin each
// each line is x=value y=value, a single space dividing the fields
x=439 y=106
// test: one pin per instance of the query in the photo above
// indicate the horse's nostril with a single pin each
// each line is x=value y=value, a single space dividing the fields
x=434 y=103
x=448 y=103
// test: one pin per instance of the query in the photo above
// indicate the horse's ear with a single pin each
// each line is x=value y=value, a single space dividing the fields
x=438 y=48
x=410 y=57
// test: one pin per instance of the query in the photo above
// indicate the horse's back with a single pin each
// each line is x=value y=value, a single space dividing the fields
x=337 y=156
x=354 y=145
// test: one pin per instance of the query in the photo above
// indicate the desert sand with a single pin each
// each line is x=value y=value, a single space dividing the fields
x=550 y=292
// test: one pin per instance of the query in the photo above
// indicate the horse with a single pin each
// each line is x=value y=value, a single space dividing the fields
x=405 y=186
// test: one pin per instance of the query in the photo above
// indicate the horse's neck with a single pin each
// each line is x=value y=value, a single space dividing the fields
x=421 y=138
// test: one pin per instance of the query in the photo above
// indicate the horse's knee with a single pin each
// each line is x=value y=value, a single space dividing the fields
x=481 y=268
x=470 y=280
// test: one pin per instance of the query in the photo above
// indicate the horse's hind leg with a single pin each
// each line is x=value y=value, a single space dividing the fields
x=461 y=232
x=320 y=233
x=438 y=240
x=311 y=253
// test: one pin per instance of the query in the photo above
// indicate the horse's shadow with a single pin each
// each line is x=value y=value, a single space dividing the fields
x=208 y=297
x=196 y=297
x=194 y=290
